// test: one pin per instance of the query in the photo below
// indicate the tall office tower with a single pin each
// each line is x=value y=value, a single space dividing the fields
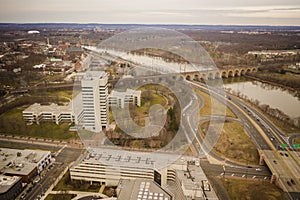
x=94 y=100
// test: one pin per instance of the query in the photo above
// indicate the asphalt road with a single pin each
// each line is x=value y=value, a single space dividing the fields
x=243 y=172
x=269 y=137
x=251 y=129
x=23 y=145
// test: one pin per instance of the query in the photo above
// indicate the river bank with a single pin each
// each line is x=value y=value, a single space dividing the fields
x=273 y=83
x=277 y=102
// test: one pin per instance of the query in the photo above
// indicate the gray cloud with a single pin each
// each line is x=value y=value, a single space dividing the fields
x=270 y=12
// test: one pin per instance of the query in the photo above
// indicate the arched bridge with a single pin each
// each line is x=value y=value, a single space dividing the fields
x=218 y=74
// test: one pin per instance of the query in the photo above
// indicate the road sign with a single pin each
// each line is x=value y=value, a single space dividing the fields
x=296 y=146
x=284 y=145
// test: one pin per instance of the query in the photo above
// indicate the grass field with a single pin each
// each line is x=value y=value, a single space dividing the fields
x=252 y=190
x=297 y=140
x=234 y=143
x=11 y=123
x=138 y=113
x=218 y=109
x=61 y=93
x=65 y=184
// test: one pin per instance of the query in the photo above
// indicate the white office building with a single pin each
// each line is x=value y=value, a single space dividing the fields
x=37 y=113
x=94 y=93
x=119 y=99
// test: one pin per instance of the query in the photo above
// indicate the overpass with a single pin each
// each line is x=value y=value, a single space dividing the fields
x=285 y=169
x=218 y=74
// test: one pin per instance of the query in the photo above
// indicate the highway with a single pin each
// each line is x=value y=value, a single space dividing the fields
x=268 y=139
x=248 y=172
x=242 y=115
x=257 y=138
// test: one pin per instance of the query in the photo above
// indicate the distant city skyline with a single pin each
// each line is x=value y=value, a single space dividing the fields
x=215 y=12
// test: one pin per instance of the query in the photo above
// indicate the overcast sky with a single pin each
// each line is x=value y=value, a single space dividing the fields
x=254 y=12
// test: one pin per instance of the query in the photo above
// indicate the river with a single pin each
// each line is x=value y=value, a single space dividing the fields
x=274 y=96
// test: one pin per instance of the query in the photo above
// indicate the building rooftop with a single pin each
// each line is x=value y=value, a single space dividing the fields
x=141 y=190
x=6 y=182
x=52 y=108
x=116 y=157
x=94 y=75
x=118 y=94
x=17 y=161
x=194 y=180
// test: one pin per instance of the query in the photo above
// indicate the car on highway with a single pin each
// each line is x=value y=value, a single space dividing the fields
x=293 y=182
x=258 y=169
x=37 y=180
x=23 y=196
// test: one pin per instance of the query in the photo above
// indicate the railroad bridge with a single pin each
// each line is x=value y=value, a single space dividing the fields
x=218 y=74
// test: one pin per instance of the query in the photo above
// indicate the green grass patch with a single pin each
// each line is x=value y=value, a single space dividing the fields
x=62 y=93
x=217 y=109
x=66 y=184
x=12 y=123
x=252 y=189
x=27 y=100
x=148 y=99
x=60 y=196
x=146 y=104
x=234 y=143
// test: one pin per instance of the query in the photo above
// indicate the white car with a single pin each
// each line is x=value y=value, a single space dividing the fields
x=258 y=169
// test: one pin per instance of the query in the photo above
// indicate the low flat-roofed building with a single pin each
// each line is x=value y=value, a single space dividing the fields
x=195 y=184
x=10 y=187
x=119 y=99
x=139 y=189
x=53 y=113
x=108 y=166
x=25 y=163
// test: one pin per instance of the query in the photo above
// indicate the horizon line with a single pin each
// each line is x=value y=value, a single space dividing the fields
x=148 y=24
